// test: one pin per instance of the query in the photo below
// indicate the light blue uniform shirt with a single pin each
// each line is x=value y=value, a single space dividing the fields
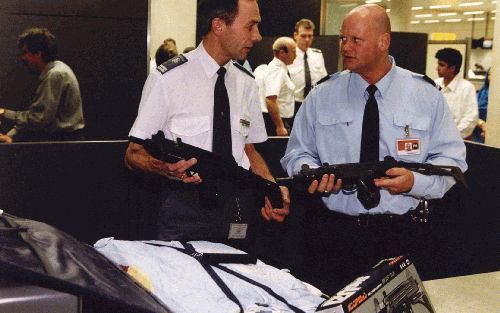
x=328 y=126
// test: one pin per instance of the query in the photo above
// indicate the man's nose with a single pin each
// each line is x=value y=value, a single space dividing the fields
x=256 y=36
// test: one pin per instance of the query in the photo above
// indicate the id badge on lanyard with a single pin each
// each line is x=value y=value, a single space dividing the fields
x=237 y=229
x=408 y=145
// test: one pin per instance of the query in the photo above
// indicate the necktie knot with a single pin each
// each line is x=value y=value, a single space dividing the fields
x=221 y=71
x=371 y=90
x=305 y=56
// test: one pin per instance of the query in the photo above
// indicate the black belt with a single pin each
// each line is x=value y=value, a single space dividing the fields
x=420 y=215
x=365 y=220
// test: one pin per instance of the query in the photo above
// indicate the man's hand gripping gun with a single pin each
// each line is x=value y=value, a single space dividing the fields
x=212 y=166
x=360 y=176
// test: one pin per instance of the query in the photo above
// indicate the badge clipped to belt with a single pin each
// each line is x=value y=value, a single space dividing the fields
x=408 y=145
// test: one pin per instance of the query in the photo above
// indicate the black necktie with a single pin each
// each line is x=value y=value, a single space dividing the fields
x=307 y=76
x=368 y=193
x=221 y=140
x=222 y=122
x=370 y=131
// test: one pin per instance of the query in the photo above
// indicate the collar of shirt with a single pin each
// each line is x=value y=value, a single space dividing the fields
x=210 y=66
x=452 y=86
x=279 y=63
x=382 y=85
x=300 y=54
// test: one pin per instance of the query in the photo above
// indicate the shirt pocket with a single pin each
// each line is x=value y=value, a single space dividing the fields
x=334 y=133
x=414 y=122
x=334 y=119
x=193 y=130
x=418 y=127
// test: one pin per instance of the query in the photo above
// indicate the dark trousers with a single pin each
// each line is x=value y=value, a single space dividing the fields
x=271 y=128
x=185 y=215
x=337 y=248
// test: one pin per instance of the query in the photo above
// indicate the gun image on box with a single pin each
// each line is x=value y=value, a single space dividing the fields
x=212 y=166
x=404 y=296
x=359 y=176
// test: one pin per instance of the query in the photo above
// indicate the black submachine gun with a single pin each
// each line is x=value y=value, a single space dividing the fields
x=359 y=176
x=212 y=166
x=404 y=297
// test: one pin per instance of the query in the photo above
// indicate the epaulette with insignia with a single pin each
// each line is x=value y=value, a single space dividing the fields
x=327 y=77
x=316 y=50
x=172 y=63
x=428 y=80
x=243 y=69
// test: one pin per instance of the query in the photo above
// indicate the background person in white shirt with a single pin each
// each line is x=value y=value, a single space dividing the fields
x=459 y=93
x=277 y=89
x=303 y=36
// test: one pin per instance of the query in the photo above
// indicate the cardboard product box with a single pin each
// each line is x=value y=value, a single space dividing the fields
x=392 y=286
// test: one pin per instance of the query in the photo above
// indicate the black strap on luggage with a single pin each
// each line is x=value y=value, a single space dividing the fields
x=189 y=250
x=264 y=287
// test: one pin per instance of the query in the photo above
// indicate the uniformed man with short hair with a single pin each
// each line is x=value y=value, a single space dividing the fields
x=309 y=66
x=371 y=110
x=210 y=102
x=278 y=89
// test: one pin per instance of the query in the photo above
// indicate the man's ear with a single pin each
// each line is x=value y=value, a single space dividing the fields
x=38 y=54
x=218 y=25
x=384 y=41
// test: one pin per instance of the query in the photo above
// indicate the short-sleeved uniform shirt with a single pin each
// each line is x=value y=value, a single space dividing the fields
x=180 y=102
x=278 y=83
x=316 y=68
x=328 y=129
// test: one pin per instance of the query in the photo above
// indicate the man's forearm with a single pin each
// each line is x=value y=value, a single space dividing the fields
x=138 y=159
x=257 y=163
x=274 y=112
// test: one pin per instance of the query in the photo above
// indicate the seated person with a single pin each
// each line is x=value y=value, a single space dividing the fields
x=56 y=110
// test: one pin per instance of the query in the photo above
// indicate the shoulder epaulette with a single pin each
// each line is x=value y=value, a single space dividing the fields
x=316 y=50
x=430 y=81
x=243 y=69
x=327 y=77
x=172 y=63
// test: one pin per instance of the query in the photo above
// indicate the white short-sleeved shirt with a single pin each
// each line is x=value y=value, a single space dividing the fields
x=278 y=83
x=316 y=67
x=460 y=95
x=180 y=103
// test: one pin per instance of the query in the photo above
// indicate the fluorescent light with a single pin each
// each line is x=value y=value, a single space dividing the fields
x=475 y=19
x=493 y=18
x=447 y=14
x=470 y=4
x=494 y=11
x=422 y=15
x=415 y=22
x=348 y=5
x=431 y=21
x=440 y=6
x=416 y=8
x=453 y=20
x=373 y=1
x=388 y=10
x=494 y=2
x=473 y=12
